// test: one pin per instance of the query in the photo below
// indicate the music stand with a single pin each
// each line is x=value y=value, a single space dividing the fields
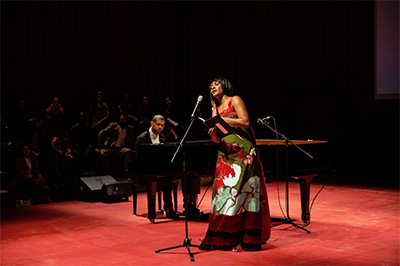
x=187 y=241
x=287 y=219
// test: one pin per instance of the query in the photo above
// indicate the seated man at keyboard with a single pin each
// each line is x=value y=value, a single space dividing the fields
x=154 y=136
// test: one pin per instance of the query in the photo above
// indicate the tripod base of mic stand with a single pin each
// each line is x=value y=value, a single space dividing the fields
x=186 y=243
x=290 y=221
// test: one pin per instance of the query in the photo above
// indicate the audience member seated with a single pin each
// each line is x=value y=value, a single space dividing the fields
x=58 y=172
x=117 y=139
x=39 y=140
x=154 y=136
x=79 y=136
x=126 y=108
x=55 y=118
x=171 y=122
x=145 y=114
x=98 y=115
x=28 y=180
x=38 y=137
x=84 y=163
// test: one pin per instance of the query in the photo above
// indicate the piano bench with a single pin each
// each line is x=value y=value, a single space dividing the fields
x=155 y=187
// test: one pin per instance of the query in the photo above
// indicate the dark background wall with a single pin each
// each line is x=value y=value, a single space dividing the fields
x=308 y=64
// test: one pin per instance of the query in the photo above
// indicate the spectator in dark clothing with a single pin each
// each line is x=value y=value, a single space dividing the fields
x=84 y=163
x=98 y=115
x=171 y=121
x=57 y=175
x=117 y=139
x=145 y=114
x=28 y=180
x=79 y=136
x=38 y=137
x=55 y=118
x=126 y=108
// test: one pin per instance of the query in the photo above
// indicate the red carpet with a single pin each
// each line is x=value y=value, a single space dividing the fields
x=349 y=226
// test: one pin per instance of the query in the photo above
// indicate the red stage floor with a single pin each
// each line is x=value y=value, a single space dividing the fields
x=349 y=226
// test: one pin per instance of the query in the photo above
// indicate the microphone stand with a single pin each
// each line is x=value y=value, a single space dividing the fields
x=287 y=219
x=186 y=241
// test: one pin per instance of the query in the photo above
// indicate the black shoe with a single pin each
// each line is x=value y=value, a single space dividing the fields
x=169 y=213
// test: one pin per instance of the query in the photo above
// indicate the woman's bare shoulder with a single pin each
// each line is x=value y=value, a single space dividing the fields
x=236 y=99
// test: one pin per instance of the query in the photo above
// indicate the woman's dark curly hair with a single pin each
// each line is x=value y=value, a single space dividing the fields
x=225 y=84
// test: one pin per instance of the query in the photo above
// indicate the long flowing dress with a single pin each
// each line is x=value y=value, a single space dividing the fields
x=239 y=209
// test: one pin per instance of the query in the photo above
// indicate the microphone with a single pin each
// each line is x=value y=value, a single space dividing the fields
x=262 y=121
x=197 y=107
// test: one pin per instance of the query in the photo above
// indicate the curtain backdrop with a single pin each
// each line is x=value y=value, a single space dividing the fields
x=308 y=64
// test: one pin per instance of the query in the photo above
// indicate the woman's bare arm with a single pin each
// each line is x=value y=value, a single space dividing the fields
x=240 y=108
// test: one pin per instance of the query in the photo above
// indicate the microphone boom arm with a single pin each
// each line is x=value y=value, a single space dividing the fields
x=262 y=122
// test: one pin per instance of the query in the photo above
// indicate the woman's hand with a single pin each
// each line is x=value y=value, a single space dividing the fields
x=213 y=133
x=214 y=108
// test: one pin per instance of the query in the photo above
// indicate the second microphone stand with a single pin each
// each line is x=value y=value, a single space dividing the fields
x=187 y=241
x=287 y=219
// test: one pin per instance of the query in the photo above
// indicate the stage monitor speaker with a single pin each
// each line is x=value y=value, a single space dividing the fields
x=90 y=189
x=116 y=191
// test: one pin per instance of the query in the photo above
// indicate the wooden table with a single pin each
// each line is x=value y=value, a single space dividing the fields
x=272 y=142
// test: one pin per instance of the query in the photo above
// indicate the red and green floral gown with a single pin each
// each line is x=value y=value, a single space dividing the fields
x=239 y=209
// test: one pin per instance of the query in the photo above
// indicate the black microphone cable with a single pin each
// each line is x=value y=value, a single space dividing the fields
x=277 y=166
